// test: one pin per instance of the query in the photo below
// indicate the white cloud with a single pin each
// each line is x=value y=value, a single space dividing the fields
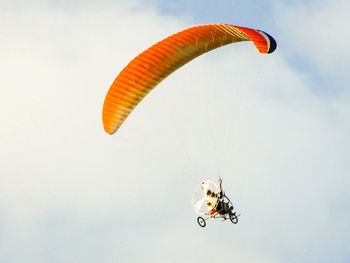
x=317 y=31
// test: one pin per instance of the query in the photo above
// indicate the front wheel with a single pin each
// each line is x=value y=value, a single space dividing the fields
x=234 y=218
x=201 y=221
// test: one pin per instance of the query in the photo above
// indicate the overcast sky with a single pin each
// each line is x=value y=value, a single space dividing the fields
x=275 y=127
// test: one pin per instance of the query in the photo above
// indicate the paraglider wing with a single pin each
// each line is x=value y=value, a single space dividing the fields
x=149 y=68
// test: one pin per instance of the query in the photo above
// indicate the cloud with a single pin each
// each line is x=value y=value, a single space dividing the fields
x=69 y=192
x=316 y=33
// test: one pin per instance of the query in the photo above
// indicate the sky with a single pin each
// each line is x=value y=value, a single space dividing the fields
x=275 y=127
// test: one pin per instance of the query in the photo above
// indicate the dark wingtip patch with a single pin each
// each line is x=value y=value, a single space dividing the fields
x=273 y=43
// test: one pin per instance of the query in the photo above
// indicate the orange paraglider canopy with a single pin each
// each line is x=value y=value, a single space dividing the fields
x=153 y=65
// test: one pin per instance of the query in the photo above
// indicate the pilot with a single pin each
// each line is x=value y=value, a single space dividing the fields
x=215 y=200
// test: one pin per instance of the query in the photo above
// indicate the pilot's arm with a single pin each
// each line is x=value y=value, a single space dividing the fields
x=221 y=191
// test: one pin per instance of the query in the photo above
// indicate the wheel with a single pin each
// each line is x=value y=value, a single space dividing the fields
x=234 y=218
x=201 y=221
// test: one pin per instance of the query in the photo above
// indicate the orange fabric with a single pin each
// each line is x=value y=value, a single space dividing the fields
x=212 y=212
x=149 y=68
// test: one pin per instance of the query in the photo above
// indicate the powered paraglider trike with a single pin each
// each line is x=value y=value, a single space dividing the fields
x=211 y=203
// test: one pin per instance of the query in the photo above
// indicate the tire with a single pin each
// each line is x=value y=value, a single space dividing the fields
x=201 y=221
x=234 y=218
